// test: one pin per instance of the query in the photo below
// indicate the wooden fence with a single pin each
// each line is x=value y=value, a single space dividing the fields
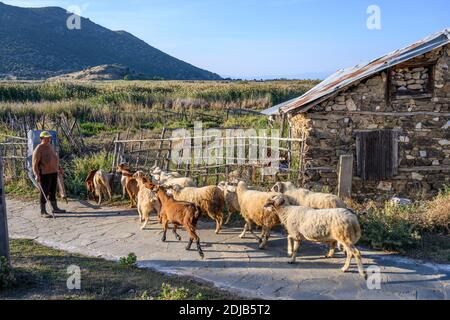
x=13 y=150
x=143 y=153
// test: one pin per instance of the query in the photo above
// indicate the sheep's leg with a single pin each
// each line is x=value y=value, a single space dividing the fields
x=265 y=238
x=188 y=247
x=99 y=197
x=242 y=235
x=131 y=197
x=141 y=219
x=174 y=230
x=199 y=249
x=108 y=189
x=145 y=223
x=330 y=253
x=358 y=259
x=124 y=191
x=165 y=227
x=229 y=217
x=349 y=253
x=219 y=222
x=294 y=250
x=290 y=243
x=192 y=235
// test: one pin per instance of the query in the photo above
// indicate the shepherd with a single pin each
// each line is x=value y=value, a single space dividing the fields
x=46 y=168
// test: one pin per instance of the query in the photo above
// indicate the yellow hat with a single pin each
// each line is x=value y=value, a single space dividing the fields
x=45 y=134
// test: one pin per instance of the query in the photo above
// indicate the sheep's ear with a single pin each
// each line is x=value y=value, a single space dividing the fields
x=275 y=188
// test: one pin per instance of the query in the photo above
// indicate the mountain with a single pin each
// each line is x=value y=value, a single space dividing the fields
x=35 y=43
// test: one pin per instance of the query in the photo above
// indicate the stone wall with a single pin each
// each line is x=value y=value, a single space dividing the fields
x=424 y=125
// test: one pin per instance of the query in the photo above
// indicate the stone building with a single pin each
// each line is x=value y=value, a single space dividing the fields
x=392 y=114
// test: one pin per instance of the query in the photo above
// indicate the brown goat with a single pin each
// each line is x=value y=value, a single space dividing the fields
x=179 y=213
x=90 y=185
x=131 y=185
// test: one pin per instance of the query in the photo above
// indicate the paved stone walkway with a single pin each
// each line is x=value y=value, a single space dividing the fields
x=230 y=263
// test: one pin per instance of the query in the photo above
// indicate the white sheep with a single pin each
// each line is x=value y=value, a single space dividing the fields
x=325 y=225
x=182 y=182
x=231 y=199
x=306 y=198
x=209 y=199
x=147 y=201
x=251 y=203
x=161 y=176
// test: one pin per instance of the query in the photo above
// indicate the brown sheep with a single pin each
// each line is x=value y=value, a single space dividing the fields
x=179 y=213
x=131 y=185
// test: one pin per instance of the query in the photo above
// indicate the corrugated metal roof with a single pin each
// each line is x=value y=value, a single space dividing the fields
x=345 y=77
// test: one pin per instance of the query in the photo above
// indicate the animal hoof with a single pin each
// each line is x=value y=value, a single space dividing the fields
x=163 y=239
x=201 y=255
x=241 y=236
x=291 y=262
x=179 y=238
x=343 y=270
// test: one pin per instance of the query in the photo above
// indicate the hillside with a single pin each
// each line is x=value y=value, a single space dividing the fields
x=36 y=44
x=103 y=72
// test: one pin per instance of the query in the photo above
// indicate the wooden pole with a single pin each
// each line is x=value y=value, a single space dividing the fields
x=158 y=154
x=4 y=237
x=345 y=175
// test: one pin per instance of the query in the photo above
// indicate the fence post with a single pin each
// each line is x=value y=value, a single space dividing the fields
x=4 y=237
x=345 y=175
x=161 y=144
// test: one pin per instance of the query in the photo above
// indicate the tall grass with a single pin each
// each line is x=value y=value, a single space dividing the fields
x=246 y=93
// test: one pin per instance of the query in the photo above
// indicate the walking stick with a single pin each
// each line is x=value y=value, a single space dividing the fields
x=46 y=199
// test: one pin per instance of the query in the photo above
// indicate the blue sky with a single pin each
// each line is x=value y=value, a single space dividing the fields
x=266 y=38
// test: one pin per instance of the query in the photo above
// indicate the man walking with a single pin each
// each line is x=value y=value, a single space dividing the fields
x=46 y=169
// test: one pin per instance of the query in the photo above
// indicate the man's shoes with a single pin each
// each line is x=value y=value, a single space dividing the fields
x=55 y=208
x=44 y=213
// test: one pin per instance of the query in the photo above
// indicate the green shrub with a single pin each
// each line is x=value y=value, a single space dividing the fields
x=391 y=227
x=128 y=261
x=89 y=129
x=6 y=274
x=172 y=293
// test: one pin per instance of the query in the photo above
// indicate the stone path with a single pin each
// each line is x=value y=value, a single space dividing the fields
x=230 y=263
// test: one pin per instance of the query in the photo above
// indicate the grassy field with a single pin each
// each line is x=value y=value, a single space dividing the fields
x=41 y=273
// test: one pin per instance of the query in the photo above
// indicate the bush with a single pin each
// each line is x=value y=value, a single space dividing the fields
x=128 y=261
x=6 y=275
x=396 y=227
x=390 y=227
x=436 y=213
x=171 y=293
x=78 y=169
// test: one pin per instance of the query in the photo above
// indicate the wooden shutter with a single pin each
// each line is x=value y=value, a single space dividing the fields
x=377 y=154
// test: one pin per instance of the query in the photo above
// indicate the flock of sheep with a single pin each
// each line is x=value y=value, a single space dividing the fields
x=306 y=215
